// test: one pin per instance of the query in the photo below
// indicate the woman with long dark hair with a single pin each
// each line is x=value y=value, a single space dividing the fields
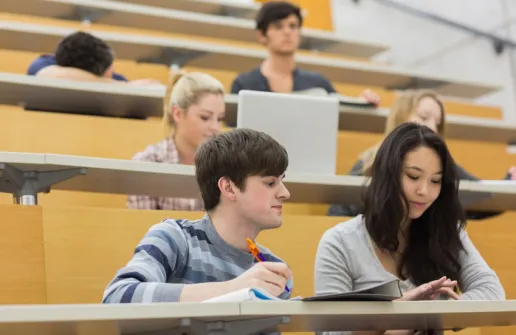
x=412 y=229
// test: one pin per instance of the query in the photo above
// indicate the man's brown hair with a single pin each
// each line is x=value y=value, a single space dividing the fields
x=236 y=155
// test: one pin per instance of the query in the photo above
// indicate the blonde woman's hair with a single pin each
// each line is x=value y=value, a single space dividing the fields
x=184 y=90
x=404 y=106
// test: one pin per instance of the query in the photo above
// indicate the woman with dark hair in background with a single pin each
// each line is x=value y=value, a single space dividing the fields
x=412 y=229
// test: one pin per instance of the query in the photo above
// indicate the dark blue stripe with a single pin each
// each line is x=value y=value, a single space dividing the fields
x=200 y=234
x=128 y=294
x=158 y=255
x=133 y=275
x=199 y=277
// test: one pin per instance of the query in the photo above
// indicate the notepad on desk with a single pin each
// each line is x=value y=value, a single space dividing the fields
x=343 y=99
x=388 y=291
x=248 y=294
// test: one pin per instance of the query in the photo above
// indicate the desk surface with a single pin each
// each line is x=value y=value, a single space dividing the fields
x=129 y=101
x=174 y=180
x=155 y=18
x=304 y=316
x=44 y=38
x=217 y=7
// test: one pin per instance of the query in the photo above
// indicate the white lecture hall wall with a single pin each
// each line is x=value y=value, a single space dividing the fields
x=426 y=45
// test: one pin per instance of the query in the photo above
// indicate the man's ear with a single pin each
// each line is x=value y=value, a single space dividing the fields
x=261 y=37
x=227 y=188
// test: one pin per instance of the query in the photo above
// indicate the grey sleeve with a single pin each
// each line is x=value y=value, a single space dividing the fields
x=159 y=255
x=332 y=274
x=478 y=280
x=328 y=86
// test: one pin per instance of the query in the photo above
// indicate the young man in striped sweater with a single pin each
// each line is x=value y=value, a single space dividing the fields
x=240 y=175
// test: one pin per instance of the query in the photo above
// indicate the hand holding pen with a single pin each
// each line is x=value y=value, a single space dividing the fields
x=255 y=251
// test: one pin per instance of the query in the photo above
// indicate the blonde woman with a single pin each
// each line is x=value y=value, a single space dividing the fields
x=422 y=107
x=193 y=112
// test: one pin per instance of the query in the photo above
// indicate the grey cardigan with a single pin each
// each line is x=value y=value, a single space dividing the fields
x=346 y=261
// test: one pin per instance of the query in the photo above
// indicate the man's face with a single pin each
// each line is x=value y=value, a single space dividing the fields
x=283 y=36
x=261 y=201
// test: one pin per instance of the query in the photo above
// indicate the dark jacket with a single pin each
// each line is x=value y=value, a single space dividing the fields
x=355 y=209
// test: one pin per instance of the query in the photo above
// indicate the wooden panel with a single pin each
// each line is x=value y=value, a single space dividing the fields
x=75 y=134
x=485 y=160
x=85 y=247
x=81 y=261
x=494 y=238
x=23 y=260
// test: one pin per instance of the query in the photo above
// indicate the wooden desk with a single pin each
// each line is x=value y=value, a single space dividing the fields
x=155 y=18
x=169 y=51
x=250 y=317
x=217 y=7
x=89 y=174
x=128 y=101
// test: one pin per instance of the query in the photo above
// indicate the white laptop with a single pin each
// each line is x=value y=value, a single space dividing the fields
x=307 y=126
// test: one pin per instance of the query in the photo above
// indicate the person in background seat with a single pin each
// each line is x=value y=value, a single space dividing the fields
x=83 y=57
x=278 y=26
x=194 y=109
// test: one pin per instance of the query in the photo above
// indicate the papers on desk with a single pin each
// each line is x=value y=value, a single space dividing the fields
x=343 y=99
x=249 y=294
x=498 y=182
x=388 y=291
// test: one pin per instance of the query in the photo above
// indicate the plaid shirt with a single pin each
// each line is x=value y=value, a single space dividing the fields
x=162 y=152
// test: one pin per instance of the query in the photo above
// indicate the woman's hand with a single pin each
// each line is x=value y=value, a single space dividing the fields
x=431 y=290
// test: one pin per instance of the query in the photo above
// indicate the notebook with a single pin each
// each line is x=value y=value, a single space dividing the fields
x=248 y=294
x=388 y=291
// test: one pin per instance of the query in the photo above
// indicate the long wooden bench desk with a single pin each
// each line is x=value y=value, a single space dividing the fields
x=250 y=317
x=26 y=174
x=217 y=7
x=128 y=101
x=155 y=18
x=170 y=51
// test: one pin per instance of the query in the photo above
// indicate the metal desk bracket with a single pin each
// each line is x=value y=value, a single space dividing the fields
x=25 y=185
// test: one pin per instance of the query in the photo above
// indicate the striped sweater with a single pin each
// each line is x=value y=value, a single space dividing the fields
x=175 y=253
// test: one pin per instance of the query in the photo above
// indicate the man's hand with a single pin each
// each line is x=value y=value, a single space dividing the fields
x=370 y=96
x=270 y=276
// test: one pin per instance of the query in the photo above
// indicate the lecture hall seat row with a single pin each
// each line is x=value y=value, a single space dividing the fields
x=191 y=23
x=60 y=266
x=150 y=46
x=106 y=99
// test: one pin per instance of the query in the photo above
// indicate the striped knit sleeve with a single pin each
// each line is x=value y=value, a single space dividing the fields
x=161 y=254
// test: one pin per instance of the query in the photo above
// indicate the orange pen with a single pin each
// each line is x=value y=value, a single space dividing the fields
x=255 y=251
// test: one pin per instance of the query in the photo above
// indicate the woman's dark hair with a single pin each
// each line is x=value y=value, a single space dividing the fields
x=433 y=241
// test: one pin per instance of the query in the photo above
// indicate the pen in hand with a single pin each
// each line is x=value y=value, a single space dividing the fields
x=255 y=251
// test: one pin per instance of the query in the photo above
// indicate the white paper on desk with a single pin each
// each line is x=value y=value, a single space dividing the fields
x=247 y=294
x=498 y=182
x=343 y=99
